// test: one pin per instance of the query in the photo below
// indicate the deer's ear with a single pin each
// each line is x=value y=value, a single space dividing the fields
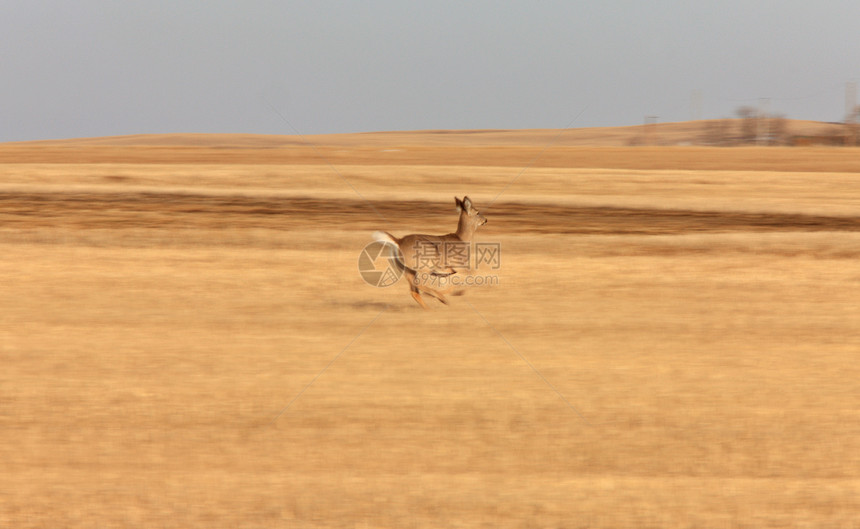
x=467 y=203
x=458 y=203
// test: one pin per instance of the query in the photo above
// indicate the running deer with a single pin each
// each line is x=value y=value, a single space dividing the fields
x=427 y=259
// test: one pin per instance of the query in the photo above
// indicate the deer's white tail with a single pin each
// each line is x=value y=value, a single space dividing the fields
x=384 y=236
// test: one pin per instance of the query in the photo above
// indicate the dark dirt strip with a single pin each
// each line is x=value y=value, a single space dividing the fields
x=189 y=211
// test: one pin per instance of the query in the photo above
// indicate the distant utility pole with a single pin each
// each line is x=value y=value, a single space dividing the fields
x=850 y=113
x=762 y=136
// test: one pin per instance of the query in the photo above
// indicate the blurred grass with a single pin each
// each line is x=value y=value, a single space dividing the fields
x=144 y=364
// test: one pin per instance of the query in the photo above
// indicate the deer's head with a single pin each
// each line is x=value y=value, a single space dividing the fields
x=466 y=206
x=470 y=218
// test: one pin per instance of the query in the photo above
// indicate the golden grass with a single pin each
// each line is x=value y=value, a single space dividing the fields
x=666 y=347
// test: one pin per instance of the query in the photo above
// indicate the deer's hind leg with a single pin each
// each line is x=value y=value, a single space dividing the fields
x=417 y=287
x=416 y=295
x=423 y=286
x=436 y=294
x=413 y=289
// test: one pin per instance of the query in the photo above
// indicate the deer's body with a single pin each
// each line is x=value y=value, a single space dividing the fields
x=423 y=256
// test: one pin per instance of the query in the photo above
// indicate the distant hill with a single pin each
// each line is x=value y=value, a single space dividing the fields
x=702 y=132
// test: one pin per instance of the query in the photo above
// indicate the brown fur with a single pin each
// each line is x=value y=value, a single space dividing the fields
x=424 y=276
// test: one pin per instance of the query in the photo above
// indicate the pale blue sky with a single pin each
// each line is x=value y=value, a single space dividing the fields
x=96 y=68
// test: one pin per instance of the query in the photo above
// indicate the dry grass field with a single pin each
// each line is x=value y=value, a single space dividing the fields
x=186 y=341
